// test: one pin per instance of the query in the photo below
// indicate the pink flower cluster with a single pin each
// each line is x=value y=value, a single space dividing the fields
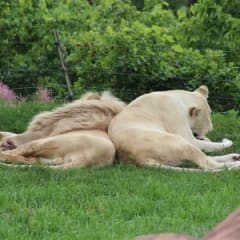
x=6 y=94
x=43 y=95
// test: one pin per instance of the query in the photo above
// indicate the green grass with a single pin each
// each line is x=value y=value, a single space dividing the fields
x=15 y=117
x=118 y=202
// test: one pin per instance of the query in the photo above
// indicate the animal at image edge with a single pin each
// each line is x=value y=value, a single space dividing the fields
x=158 y=129
x=74 y=135
x=228 y=229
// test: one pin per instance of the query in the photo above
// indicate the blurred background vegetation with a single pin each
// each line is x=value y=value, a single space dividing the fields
x=128 y=47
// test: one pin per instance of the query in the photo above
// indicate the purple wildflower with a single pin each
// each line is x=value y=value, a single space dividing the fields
x=6 y=94
x=43 y=95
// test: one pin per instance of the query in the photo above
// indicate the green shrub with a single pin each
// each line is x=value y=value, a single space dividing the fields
x=122 y=46
x=213 y=25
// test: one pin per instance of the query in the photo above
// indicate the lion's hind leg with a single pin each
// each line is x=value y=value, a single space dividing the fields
x=227 y=158
x=155 y=148
x=38 y=151
x=69 y=165
x=188 y=151
x=82 y=162
x=229 y=166
x=15 y=159
x=64 y=151
x=209 y=163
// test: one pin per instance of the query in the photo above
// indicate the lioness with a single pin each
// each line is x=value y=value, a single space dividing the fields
x=74 y=135
x=157 y=129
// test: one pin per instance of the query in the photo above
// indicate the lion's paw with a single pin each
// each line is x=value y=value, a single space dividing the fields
x=235 y=165
x=7 y=145
x=236 y=157
x=227 y=143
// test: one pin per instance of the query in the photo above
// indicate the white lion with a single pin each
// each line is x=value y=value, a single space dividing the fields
x=157 y=129
x=74 y=135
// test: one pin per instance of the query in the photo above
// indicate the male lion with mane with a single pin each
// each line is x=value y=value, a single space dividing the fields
x=74 y=135
x=166 y=128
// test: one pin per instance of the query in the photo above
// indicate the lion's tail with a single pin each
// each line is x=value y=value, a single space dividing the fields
x=15 y=165
x=184 y=169
x=11 y=160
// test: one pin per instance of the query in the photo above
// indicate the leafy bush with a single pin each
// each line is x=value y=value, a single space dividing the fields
x=123 y=46
x=212 y=25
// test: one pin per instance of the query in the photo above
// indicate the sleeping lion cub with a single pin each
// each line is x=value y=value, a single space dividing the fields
x=74 y=135
x=158 y=129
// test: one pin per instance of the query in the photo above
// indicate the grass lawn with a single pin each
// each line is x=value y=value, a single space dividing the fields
x=118 y=202
x=113 y=203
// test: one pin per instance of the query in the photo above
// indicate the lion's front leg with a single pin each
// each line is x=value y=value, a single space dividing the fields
x=13 y=141
x=209 y=146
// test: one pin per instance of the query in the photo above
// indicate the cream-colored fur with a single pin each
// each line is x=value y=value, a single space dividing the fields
x=73 y=135
x=157 y=129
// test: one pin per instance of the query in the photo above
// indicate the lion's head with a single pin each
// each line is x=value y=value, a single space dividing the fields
x=200 y=113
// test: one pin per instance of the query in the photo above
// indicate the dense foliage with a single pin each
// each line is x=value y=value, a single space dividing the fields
x=130 y=47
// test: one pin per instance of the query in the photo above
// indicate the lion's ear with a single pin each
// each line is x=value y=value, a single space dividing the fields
x=194 y=111
x=203 y=90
